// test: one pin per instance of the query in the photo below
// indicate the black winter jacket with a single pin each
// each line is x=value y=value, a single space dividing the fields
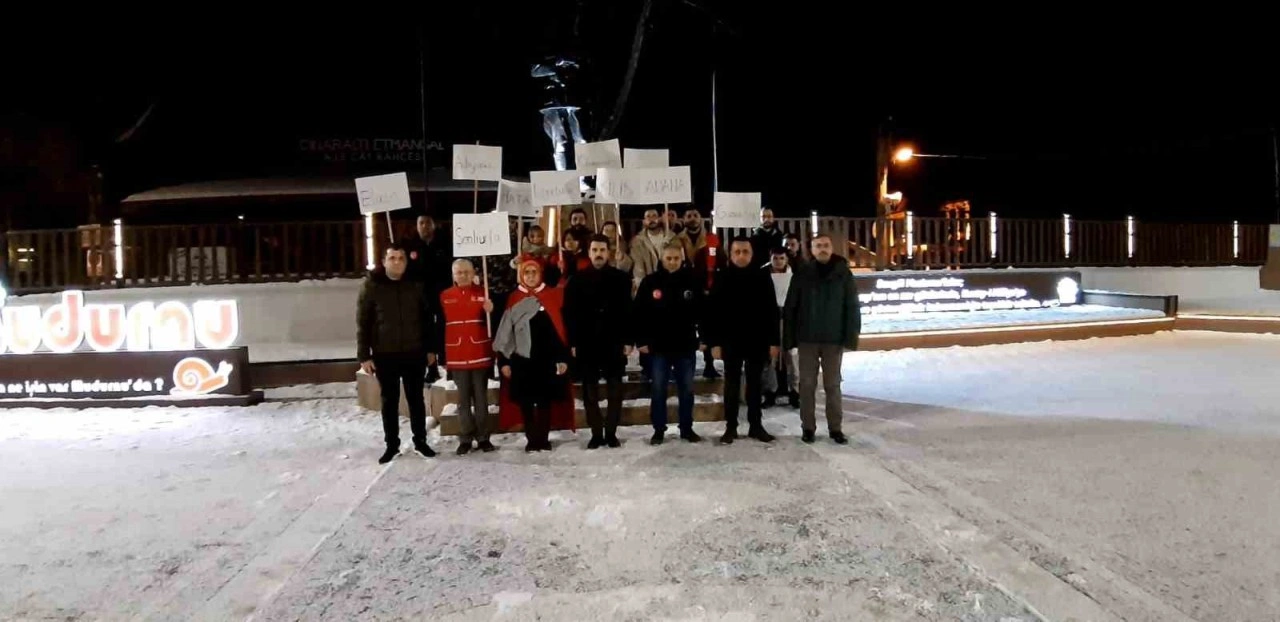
x=668 y=311
x=597 y=311
x=742 y=311
x=822 y=309
x=394 y=317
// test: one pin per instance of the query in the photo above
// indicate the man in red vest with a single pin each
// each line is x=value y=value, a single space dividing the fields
x=469 y=354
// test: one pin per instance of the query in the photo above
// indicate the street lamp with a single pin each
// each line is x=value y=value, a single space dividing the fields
x=903 y=154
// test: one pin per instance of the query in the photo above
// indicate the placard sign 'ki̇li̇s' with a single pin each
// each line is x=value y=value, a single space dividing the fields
x=383 y=193
x=556 y=187
x=516 y=198
x=646 y=158
x=481 y=234
x=604 y=154
x=478 y=162
x=737 y=209
x=644 y=186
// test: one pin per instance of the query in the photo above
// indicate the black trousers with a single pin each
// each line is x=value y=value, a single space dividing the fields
x=591 y=369
x=392 y=369
x=537 y=422
x=734 y=362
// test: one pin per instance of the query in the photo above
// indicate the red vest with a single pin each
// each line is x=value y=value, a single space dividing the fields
x=466 y=339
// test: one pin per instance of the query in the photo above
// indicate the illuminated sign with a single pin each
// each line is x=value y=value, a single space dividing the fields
x=103 y=375
x=71 y=325
x=928 y=292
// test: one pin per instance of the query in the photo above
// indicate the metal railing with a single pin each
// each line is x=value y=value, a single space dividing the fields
x=121 y=255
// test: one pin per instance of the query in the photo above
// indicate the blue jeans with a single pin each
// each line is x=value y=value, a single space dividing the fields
x=679 y=367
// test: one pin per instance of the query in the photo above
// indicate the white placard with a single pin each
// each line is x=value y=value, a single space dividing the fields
x=604 y=154
x=481 y=234
x=645 y=158
x=644 y=186
x=556 y=187
x=477 y=162
x=516 y=198
x=737 y=209
x=1273 y=239
x=383 y=193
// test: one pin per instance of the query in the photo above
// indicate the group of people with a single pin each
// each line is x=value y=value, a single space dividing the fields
x=771 y=314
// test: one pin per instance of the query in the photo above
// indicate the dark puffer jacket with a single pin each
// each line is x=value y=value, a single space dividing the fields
x=393 y=317
x=822 y=308
x=668 y=311
x=742 y=311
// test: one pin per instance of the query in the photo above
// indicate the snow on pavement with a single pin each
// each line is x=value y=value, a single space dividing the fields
x=1216 y=380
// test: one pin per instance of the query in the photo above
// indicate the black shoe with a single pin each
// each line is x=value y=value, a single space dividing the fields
x=464 y=448
x=657 y=438
x=840 y=438
x=390 y=455
x=486 y=446
x=761 y=435
x=424 y=450
x=691 y=436
x=793 y=399
x=530 y=447
x=730 y=435
x=545 y=446
x=595 y=442
x=433 y=374
x=770 y=400
x=710 y=373
x=612 y=441
x=807 y=436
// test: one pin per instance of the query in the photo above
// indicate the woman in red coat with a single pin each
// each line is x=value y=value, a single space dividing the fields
x=533 y=359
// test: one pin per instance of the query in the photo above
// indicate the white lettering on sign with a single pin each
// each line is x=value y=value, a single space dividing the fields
x=383 y=193
x=481 y=234
x=926 y=295
x=592 y=156
x=478 y=162
x=644 y=158
x=737 y=209
x=516 y=198
x=644 y=186
x=146 y=326
x=556 y=187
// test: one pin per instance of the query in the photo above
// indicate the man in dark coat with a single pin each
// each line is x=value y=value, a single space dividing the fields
x=822 y=319
x=765 y=238
x=430 y=256
x=597 y=318
x=741 y=328
x=395 y=342
x=667 y=312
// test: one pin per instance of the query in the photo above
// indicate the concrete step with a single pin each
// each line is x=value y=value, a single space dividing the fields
x=634 y=412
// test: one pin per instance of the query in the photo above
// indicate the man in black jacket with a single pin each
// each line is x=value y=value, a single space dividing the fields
x=597 y=304
x=741 y=328
x=667 y=312
x=765 y=238
x=822 y=319
x=430 y=257
x=395 y=342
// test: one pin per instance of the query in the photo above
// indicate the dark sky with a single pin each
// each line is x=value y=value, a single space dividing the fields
x=1074 y=113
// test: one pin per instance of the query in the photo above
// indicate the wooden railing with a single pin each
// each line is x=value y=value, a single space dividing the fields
x=90 y=257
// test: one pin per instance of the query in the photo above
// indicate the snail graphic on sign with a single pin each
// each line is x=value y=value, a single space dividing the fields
x=194 y=376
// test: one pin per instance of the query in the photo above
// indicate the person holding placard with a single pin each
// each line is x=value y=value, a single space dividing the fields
x=394 y=342
x=742 y=314
x=822 y=320
x=646 y=247
x=578 y=227
x=597 y=307
x=668 y=312
x=618 y=256
x=572 y=258
x=765 y=238
x=534 y=359
x=469 y=354
x=702 y=248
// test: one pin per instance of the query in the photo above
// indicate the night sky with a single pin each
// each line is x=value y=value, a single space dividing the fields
x=1068 y=113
